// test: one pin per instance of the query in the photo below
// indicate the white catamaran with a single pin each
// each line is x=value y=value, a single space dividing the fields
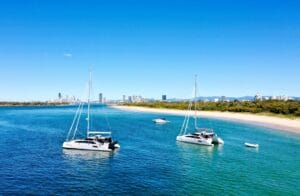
x=201 y=136
x=95 y=140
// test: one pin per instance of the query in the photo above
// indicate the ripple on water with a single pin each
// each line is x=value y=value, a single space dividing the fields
x=150 y=160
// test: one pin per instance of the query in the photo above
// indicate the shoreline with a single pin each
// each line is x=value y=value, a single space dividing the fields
x=277 y=123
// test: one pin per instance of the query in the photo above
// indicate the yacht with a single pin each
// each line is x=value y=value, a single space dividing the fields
x=200 y=136
x=101 y=141
x=94 y=140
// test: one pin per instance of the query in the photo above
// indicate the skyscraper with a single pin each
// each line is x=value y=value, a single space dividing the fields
x=130 y=99
x=164 y=97
x=100 y=98
x=59 y=96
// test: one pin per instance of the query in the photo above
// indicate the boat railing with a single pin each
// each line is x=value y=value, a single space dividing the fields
x=207 y=130
x=98 y=133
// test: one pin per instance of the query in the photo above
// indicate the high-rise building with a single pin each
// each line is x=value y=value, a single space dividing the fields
x=129 y=99
x=100 y=98
x=124 y=98
x=257 y=97
x=223 y=98
x=59 y=96
x=164 y=97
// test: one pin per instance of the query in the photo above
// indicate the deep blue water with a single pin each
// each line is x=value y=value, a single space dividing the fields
x=150 y=161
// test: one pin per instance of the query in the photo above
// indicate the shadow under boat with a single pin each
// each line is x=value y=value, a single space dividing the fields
x=201 y=149
x=88 y=155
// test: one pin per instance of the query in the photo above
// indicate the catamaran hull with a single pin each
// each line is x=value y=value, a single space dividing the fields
x=217 y=140
x=88 y=146
x=198 y=141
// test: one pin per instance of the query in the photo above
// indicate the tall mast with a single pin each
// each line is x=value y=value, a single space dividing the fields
x=195 y=101
x=88 y=112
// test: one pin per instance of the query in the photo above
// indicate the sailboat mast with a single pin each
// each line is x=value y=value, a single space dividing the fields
x=195 y=101
x=88 y=112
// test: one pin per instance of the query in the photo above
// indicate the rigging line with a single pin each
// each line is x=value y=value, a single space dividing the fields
x=74 y=119
x=188 y=119
x=183 y=124
x=77 y=123
x=185 y=119
x=195 y=101
x=191 y=106
x=107 y=122
x=89 y=97
x=92 y=97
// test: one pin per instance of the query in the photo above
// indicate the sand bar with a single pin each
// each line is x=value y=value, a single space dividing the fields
x=282 y=124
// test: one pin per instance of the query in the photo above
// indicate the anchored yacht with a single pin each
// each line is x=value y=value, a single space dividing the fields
x=95 y=140
x=200 y=136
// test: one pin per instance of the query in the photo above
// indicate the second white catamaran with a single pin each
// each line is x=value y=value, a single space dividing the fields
x=95 y=140
x=201 y=136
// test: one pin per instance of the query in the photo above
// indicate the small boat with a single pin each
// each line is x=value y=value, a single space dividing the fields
x=251 y=145
x=160 y=120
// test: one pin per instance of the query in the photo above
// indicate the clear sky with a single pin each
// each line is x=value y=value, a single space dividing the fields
x=149 y=48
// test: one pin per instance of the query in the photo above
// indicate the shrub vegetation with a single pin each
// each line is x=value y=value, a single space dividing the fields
x=287 y=108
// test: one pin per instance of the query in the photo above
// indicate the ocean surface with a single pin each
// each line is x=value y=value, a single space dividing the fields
x=150 y=161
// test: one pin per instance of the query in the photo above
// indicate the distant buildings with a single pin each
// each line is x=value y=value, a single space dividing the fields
x=281 y=97
x=100 y=98
x=59 y=96
x=216 y=100
x=129 y=99
x=258 y=97
x=223 y=99
x=137 y=99
x=64 y=99
x=164 y=97
x=132 y=99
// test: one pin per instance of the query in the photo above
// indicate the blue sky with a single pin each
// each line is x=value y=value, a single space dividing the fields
x=149 y=48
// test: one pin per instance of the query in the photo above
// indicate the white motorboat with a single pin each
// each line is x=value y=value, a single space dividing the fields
x=160 y=121
x=251 y=145
x=95 y=140
x=201 y=136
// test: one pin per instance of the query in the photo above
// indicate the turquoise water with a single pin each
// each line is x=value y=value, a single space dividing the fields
x=150 y=161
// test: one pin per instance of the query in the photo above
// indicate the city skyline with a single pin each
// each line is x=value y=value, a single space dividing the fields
x=61 y=98
x=149 y=48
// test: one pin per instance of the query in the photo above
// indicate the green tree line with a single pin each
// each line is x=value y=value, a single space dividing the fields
x=288 y=108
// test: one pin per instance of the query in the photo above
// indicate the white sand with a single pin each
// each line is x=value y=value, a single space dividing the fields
x=284 y=124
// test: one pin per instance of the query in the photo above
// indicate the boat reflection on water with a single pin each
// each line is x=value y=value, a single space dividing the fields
x=88 y=155
x=198 y=149
x=252 y=150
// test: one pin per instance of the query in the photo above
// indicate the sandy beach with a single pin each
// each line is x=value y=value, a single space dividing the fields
x=282 y=124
